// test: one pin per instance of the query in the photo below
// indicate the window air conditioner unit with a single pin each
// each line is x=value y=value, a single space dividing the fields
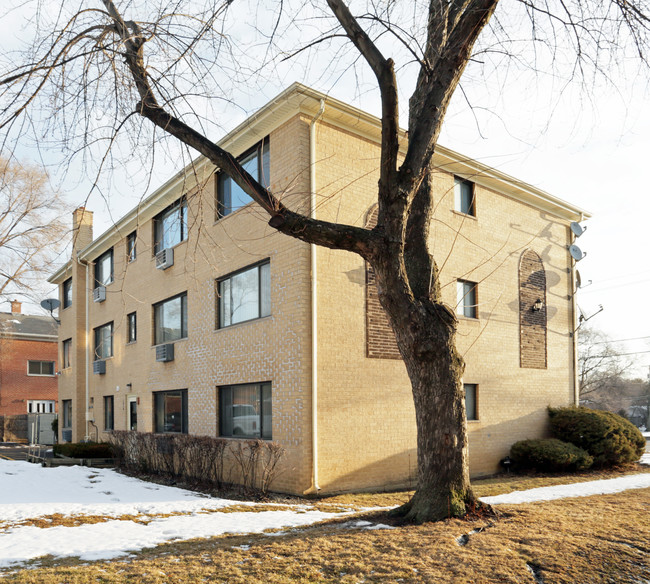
x=165 y=258
x=165 y=353
x=99 y=367
x=99 y=294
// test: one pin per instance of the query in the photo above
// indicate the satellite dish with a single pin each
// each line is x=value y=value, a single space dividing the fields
x=576 y=253
x=577 y=229
x=578 y=279
x=50 y=304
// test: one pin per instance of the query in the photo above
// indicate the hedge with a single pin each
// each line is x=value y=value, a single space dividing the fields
x=549 y=454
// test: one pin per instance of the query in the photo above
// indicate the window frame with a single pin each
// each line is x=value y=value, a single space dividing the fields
x=463 y=306
x=66 y=413
x=474 y=387
x=96 y=332
x=178 y=206
x=66 y=353
x=459 y=201
x=109 y=413
x=98 y=271
x=41 y=362
x=160 y=395
x=224 y=404
x=262 y=286
x=131 y=328
x=223 y=182
x=66 y=293
x=131 y=247
x=48 y=404
x=183 y=316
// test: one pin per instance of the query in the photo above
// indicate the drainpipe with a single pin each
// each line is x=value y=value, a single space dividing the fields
x=314 y=304
x=87 y=436
x=574 y=321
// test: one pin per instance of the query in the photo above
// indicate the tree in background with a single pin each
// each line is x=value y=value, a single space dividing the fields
x=32 y=231
x=104 y=69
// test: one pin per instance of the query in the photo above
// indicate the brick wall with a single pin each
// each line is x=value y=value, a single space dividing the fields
x=532 y=290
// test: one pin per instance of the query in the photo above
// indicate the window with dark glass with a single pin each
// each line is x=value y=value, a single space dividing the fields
x=170 y=226
x=108 y=412
x=471 y=401
x=104 y=269
x=245 y=411
x=67 y=293
x=66 y=406
x=131 y=323
x=67 y=353
x=130 y=247
x=170 y=319
x=170 y=411
x=244 y=295
x=104 y=341
x=230 y=195
x=40 y=368
x=467 y=299
x=464 y=196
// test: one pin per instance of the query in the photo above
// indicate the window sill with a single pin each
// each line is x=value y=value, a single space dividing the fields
x=464 y=318
x=220 y=219
x=473 y=421
x=243 y=323
x=41 y=375
x=153 y=256
x=464 y=215
x=167 y=342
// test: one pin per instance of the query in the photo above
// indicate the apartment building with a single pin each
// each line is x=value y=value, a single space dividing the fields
x=192 y=315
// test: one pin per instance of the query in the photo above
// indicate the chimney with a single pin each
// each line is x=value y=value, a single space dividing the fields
x=16 y=307
x=82 y=228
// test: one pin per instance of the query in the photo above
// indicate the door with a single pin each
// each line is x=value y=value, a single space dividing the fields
x=132 y=413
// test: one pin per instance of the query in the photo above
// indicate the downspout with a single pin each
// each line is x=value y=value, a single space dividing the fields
x=314 y=303
x=574 y=322
x=87 y=437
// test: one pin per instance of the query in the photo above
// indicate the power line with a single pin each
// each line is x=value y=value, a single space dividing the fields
x=619 y=340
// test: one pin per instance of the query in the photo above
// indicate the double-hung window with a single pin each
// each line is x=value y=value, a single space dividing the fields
x=170 y=411
x=42 y=368
x=104 y=341
x=464 y=196
x=170 y=319
x=471 y=401
x=230 y=196
x=244 y=295
x=104 y=269
x=170 y=226
x=109 y=416
x=67 y=293
x=467 y=299
x=130 y=247
x=67 y=353
x=245 y=411
x=66 y=406
x=131 y=324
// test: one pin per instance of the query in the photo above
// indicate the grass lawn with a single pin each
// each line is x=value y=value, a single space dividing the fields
x=596 y=539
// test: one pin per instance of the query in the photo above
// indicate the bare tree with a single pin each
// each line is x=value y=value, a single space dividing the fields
x=157 y=66
x=31 y=227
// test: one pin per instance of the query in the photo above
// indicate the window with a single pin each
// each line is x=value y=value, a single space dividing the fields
x=464 y=196
x=230 y=196
x=245 y=411
x=40 y=406
x=170 y=319
x=471 y=401
x=467 y=299
x=130 y=247
x=245 y=295
x=104 y=341
x=108 y=412
x=67 y=413
x=104 y=269
x=40 y=368
x=170 y=411
x=67 y=353
x=67 y=293
x=170 y=226
x=131 y=323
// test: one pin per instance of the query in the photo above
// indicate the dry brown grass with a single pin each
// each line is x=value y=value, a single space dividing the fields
x=600 y=539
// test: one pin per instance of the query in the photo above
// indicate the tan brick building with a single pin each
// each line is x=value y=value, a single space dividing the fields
x=192 y=315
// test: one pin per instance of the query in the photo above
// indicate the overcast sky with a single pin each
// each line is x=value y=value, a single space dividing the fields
x=589 y=147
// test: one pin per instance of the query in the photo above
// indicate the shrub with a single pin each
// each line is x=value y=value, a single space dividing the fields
x=85 y=450
x=550 y=454
x=609 y=438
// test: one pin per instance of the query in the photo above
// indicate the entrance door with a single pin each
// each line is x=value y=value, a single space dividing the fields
x=132 y=413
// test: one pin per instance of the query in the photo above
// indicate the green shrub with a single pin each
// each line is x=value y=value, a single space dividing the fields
x=84 y=450
x=609 y=438
x=549 y=454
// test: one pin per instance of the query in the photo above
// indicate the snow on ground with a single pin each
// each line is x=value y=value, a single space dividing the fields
x=30 y=491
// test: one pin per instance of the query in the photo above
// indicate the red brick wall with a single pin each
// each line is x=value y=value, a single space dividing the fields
x=16 y=387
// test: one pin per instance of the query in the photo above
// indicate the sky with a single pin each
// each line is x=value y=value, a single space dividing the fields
x=585 y=144
x=30 y=491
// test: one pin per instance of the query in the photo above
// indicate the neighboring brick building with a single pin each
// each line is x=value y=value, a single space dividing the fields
x=203 y=319
x=28 y=357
